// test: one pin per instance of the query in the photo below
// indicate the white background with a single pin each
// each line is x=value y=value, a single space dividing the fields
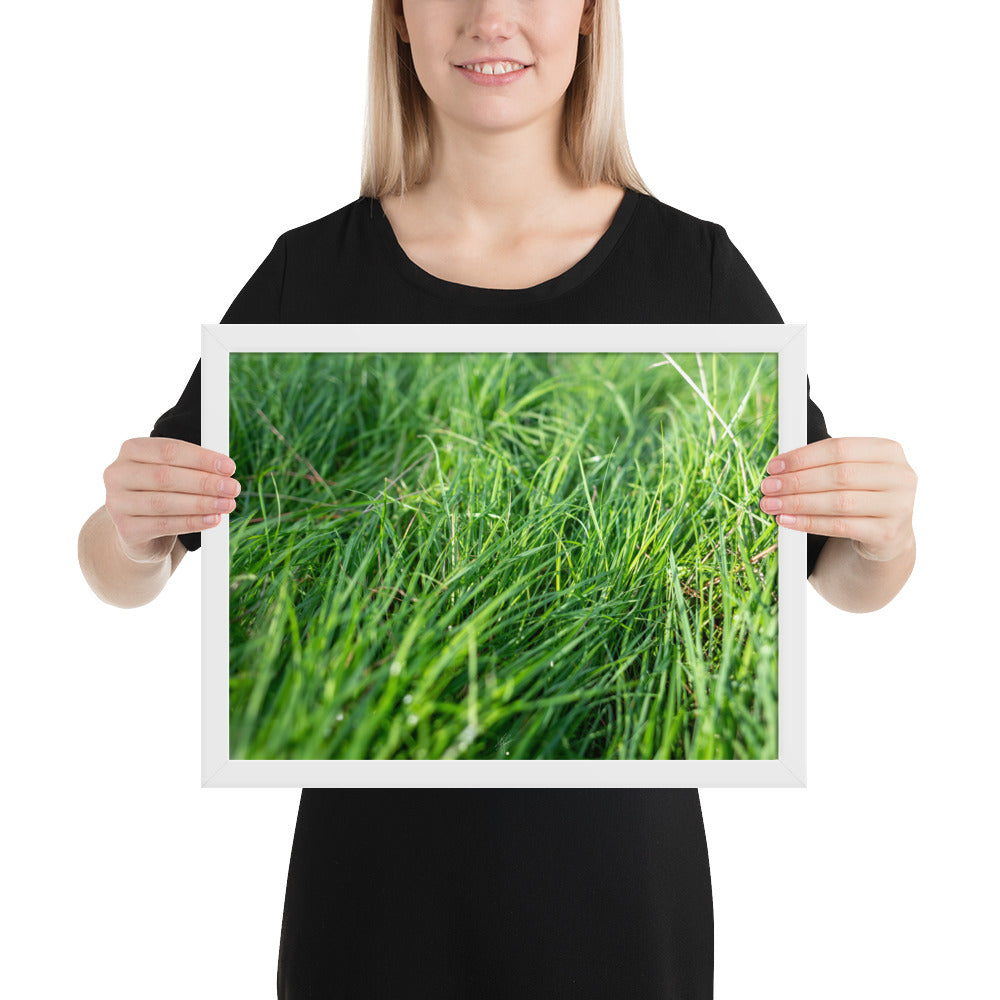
x=155 y=152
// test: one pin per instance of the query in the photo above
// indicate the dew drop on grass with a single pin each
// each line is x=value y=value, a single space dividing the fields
x=407 y=698
x=395 y=668
x=412 y=719
x=340 y=716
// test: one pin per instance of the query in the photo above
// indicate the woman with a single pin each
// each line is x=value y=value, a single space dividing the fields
x=498 y=187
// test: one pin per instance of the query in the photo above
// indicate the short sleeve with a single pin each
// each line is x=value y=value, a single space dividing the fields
x=183 y=421
x=259 y=301
x=737 y=296
x=815 y=431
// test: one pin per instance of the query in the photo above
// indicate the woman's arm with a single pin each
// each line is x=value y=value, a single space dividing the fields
x=851 y=582
x=859 y=492
x=115 y=577
x=157 y=489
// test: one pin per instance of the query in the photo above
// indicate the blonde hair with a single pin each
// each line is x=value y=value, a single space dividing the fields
x=397 y=142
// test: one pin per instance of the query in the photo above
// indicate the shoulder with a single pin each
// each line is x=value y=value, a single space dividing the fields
x=313 y=271
x=734 y=293
x=672 y=223
x=337 y=226
x=652 y=208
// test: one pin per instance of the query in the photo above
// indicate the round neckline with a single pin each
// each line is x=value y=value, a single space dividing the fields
x=549 y=289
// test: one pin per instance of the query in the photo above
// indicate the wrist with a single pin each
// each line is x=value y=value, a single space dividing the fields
x=152 y=554
x=906 y=550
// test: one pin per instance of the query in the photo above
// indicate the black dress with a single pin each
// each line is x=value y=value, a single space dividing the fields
x=498 y=894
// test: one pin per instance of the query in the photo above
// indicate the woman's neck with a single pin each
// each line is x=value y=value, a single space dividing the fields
x=497 y=182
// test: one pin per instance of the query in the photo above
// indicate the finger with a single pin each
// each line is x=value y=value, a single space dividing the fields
x=875 y=476
x=841 y=503
x=142 y=477
x=864 y=529
x=173 y=451
x=160 y=504
x=137 y=531
x=832 y=451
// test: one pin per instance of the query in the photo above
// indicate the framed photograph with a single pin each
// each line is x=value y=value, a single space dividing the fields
x=490 y=555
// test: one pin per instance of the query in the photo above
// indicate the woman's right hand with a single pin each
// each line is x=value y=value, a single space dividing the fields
x=159 y=488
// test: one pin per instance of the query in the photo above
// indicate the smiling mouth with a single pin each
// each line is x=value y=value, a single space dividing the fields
x=493 y=68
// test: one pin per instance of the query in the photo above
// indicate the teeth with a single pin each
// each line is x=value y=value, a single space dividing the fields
x=495 y=69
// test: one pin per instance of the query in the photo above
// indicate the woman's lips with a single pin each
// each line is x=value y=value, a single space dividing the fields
x=486 y=80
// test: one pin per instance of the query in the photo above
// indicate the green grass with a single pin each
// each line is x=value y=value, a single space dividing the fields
x=502 y=556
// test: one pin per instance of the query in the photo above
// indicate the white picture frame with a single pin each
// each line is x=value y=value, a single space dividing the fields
x=788 y=341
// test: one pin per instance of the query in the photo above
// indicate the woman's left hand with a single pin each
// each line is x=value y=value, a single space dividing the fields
x=857 y=488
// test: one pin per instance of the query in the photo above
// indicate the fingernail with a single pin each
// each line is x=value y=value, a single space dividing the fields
x=225 y=466
x=786 y=519
x=210 y=519
x=771 y=485
x=771 y=504
x=776 y=465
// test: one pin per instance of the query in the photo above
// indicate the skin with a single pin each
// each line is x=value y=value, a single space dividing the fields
x=442 y=34
x=502 y=208
x=156 y=489
x=859 y=492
